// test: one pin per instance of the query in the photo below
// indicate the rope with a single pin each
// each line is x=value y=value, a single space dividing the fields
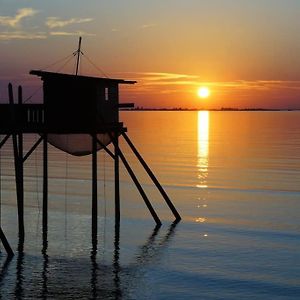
x=0 y=187
x=104 y=196
x=74 y=67
x=80 y=69
x=66 y=189
x=59 y=69
x=68 y=58
x=37 y=181
x=94 y=65
x=104 y=185
x=37 y=198
x=58 y=61
x=29 y=98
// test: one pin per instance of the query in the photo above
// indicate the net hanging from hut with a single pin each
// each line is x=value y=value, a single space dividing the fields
x=78 y=144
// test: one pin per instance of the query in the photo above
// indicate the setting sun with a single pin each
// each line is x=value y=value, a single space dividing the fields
x=203 y=92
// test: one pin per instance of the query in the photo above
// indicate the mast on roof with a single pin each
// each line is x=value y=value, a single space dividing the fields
x=78 y=53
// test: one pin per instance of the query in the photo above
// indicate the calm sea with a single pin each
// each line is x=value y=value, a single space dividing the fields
x=233 y=176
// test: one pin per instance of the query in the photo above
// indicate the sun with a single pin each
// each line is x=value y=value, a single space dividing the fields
x=203 y=92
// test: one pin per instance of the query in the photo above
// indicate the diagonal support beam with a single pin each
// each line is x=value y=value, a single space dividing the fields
x=5 y=243
x=33 y=148
x=2 y=143
x=105 y=148
x=152 y=176
x=138 y=185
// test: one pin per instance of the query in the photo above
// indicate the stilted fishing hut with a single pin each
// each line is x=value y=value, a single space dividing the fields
x=79 y=115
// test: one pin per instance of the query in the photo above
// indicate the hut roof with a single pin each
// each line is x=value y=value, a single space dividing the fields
x=62 y=76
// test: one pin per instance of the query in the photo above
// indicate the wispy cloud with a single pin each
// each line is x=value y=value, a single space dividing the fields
x=14 y=32
x=21 y=35
x=53 y=22
x=145 y=26
x=20 y=15
x=67 y=33
x=170 y=83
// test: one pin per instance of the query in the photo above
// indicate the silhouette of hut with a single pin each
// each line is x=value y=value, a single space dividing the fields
x=81 y=104
x=79 y=115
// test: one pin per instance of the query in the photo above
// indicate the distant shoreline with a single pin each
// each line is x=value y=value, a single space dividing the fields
x=201 y=109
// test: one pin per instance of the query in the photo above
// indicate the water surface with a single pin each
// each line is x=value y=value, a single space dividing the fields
x=233 y=176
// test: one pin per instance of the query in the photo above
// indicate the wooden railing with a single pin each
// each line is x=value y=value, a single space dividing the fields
x=32 y=118
x=18 y=116
x=34 y=114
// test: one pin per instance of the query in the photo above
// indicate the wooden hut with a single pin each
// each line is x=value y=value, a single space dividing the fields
x=76 y=106
x=80 y=102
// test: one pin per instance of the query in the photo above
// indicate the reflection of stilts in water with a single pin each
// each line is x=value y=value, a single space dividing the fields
x=45 y=267
x=94 y=277
x=117 y=292
x=116 y=264
x=107 y=281
x=3 y=271
x=149 y=252
x=19 y=293
x=152 y=250
x=95 y=268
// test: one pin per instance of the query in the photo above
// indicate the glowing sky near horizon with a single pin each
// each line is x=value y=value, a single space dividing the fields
x=245 y=52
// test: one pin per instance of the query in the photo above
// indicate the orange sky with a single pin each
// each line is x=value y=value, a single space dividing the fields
x=246 y=52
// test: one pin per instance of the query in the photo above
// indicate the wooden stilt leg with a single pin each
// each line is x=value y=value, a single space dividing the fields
x=5 y=243
x=152 y=176
x=139 y=187
x=18 y=168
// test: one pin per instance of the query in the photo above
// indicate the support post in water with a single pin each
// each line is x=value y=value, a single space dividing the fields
x=5 y=243
x=152 y=176
x=21 y=165
x=18 y=159
x=138 y=185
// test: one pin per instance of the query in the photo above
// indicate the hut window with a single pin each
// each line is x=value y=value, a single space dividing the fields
x=106 y=95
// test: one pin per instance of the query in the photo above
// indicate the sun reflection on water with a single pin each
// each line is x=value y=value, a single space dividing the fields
x=200 y=220
x=203 y=148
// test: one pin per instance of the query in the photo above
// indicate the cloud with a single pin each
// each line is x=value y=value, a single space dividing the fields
x=145 y=26
x=152 y=78
x=15 y=21
x=53 y=22
x=21 y=35
x=66 y=33
x=172 y=83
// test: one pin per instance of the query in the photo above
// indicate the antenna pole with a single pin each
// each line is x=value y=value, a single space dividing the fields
x=78 y=55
